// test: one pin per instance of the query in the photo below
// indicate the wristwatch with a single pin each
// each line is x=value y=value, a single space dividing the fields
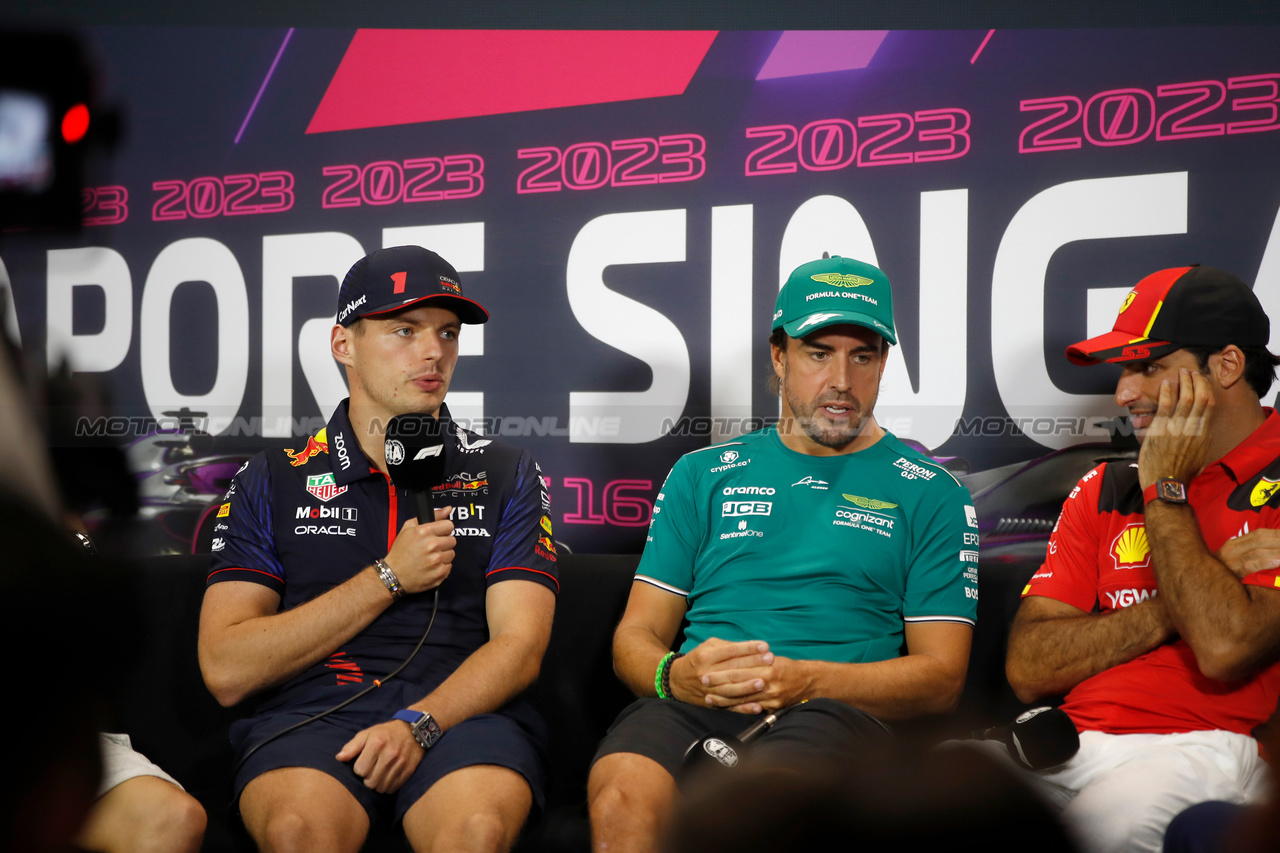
x=426 y=731
x=1165 y=489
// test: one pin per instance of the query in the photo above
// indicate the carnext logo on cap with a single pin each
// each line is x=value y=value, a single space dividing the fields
x=351 y=306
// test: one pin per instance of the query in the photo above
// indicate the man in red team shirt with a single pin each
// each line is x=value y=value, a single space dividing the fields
x=1166 y=653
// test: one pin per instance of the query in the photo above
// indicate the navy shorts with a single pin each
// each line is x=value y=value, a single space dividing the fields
x=817 y=731
x=512 y=737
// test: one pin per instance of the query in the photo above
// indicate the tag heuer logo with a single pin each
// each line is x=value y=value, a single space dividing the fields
x=841 y=280
x=323 y=487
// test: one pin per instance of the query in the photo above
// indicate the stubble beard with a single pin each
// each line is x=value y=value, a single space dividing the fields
x=816 y=426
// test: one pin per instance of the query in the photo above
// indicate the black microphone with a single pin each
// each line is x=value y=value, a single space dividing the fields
x=1038 y=739
x=722 y=751
x=414 y=448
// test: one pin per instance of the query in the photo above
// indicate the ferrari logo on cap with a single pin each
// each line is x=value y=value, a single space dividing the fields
x=841 y=279
x=1128 y=300
x=1263 y=491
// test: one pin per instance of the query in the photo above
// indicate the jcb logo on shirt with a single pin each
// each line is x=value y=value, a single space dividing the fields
x=1130 y=549
x=746 y=508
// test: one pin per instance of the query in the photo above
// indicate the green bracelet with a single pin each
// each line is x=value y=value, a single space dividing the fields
x=660 y=677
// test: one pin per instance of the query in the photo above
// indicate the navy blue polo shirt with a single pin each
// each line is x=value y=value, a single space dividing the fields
x=302 y=521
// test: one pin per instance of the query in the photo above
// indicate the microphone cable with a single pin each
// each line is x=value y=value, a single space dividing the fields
x=377 y=682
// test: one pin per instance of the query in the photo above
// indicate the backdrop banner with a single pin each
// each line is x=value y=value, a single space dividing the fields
x=626 y=205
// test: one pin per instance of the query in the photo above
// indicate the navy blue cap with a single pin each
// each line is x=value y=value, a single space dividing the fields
x=390 y=279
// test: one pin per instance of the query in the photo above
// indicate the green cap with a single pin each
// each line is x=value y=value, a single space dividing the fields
x=832 y=291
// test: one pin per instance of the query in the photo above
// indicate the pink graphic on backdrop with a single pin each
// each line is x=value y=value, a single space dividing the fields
x=978 y=52
x=392 y=77
x=801 y=52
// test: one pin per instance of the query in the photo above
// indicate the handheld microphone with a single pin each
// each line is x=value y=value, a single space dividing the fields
x=1038 y=739
x=722 y=751
x=414 y=448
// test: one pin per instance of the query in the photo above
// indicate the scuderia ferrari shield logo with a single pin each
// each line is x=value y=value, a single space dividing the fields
x=323 y=487
x=1263 y=491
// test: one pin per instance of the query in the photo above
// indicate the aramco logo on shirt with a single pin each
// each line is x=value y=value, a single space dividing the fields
x=1130 y=549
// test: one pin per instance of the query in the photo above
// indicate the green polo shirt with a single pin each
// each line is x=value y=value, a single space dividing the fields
x=823 y=557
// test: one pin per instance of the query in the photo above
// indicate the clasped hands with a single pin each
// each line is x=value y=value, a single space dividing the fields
x=1176 y=441
x=744 y=677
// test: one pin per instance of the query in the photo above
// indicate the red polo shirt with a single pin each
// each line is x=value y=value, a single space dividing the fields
x=1099 y=555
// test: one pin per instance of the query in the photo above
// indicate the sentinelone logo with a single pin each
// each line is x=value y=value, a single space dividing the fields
x=741 y=532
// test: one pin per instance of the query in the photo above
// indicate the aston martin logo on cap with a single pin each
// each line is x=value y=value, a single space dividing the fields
x=841 y=279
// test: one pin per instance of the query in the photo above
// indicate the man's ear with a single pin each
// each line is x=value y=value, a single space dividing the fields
x=340 y=344
x=1227 y=366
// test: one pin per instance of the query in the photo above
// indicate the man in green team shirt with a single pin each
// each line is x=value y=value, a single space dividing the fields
x=806 y=558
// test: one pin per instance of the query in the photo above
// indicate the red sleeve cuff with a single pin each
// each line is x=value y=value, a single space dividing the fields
x=512 y=573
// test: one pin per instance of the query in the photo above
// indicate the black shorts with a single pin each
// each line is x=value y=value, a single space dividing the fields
x=513 y=737
x=820 y=730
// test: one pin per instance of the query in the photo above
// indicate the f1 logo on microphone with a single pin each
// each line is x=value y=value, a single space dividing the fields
x=428 y=451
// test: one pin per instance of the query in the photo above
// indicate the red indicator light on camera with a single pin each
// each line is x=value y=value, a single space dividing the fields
x=75 y=124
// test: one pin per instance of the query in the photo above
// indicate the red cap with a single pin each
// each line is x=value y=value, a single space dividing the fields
x=1176 y=308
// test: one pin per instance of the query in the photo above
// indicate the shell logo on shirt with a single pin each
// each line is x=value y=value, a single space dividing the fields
x=1131 y=549
x=1263 y=491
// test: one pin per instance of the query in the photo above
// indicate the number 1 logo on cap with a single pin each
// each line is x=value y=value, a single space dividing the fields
x=398 y=278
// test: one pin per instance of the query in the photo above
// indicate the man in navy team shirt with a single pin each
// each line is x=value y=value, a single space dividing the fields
x=322 y=582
